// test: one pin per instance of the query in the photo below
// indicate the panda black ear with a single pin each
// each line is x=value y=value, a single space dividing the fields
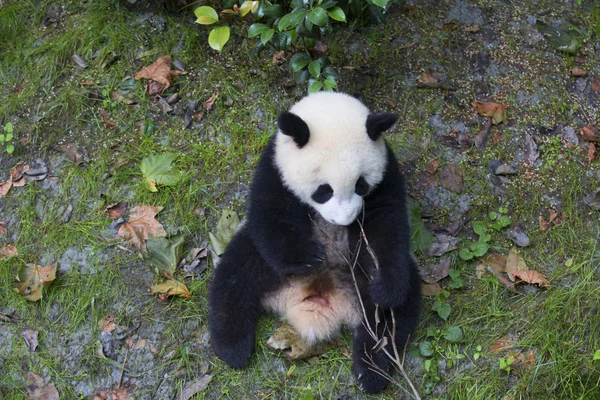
x=377 y=123
x=294 y=126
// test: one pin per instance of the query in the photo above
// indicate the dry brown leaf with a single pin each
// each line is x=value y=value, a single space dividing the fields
x=391 y=103
x=195 y=386
x=432 y=166
x=38 y=391
x=544 y=225
x=502 y=344
x=589 y=134
x=514 y=263
x=8 y=251
x=5 y=187
x=16 y=172
x=73 y=151
x=107 y=122
x=107 y=324
x=591 y=152
x=30 y=336
x=596 y=84
x=120 y=394
x=3 y=230
x=142 y=223
x=496 y=261
x=534 y=278
x=496 y=111
x=278 y=56
x=210 y=102
x=578 y=72
x=472 y=29
x=159 y=72
x=115 y=211
x=430 y=289
x=524 y=360
x=451 y=178
x=170 y=287
x=428 y=79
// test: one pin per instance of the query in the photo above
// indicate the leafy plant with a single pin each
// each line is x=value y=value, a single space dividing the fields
x=6 y=138
x=477 y=353
x=495 y=223
x=439 y=346
x=158 y=170
x=505 y=363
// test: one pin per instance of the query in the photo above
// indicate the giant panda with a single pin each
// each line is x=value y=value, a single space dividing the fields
x=326 y=173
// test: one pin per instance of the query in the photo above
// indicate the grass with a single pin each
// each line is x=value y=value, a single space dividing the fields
x=43 y=95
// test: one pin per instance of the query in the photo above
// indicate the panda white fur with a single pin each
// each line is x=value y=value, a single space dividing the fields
x=327 y=168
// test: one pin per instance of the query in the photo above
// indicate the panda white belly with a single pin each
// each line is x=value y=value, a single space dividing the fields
x=319 y=304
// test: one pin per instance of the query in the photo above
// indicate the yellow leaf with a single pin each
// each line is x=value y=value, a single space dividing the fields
x=31 y=279
x=514 y=263
x=171 y=287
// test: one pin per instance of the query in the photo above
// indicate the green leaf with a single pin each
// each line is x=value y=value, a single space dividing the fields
x=299 y=61
x=10 y=148
x=421 y=238
x=479 y=248
x=426 y=349
x=206 y=15
x=453 y=334
x=2 y=137
x=158 y=171
x=486 y=237
x=8 y=128
x=596 y=355
x=479 y=227
x=218 y=37
x=301 y=76
x=283 y=40
x=257 y=29
x=503 y=221
x=329 y=72
x=292 y=20
x=246 y=7
x=563 y=38
x=330 y=84
x=9 y=137
x=492 y=215
x=267 y=35
x=314 y=67
x=315 y=87
x=465 y=254
x=164 y=254
x=444 y=311
x=381 y=3
x=337 y=14
x=226 y=227
x=318 y=16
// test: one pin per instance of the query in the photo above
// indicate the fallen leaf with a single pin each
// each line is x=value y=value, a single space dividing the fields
x=589 y=134
x=533 y=277
x=13 y=319
x=107 y=122
x=502 y=344
x=73 y=151
x=293 y=346
x=5 y=187
x=30 y=336
x=107 y=324
x=596 y=84
x=430 y=289
x=142 y=223
x=159 y=72
x=593 y=199
x=226 y=228
x=158 y=170
x=544 y=225
x=164 y=254
x=442 y=245
x=197 y=262
x=578 y=72
x=591 y=152
x=208 y=104
x=115 y=211
x=171 y=287
x=428 y=79
x=117 y=394
x=565 y=38
x=432 y=166
x=31 y=279
x=433 y=273
x=514 y=263
x=38 y=391
x=16 y=172
x=3 y=230
x=472 y=29
x=8 y=251
x=496 y=111
x=451 y=178
x=496 y=261
x=193 y=387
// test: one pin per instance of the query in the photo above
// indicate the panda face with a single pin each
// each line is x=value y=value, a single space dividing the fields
x=327 y=155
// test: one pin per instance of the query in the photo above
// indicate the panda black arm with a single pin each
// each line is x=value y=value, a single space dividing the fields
x=386 y=227
x=279 y=225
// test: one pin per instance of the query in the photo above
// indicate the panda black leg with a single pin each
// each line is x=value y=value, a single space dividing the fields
x=240 y=280
x=363 y=359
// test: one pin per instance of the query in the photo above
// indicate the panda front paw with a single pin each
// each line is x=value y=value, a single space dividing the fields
x=387 y=292
x=302 y=260
x=368 y=380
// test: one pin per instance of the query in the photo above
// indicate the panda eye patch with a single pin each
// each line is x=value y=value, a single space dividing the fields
x=322 y=194
x=362 y=187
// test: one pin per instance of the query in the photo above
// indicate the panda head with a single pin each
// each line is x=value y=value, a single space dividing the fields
x=330 y=153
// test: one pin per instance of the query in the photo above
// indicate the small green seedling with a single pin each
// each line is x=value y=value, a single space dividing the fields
x=5 y=138
x=596 y=355
x=505 y=363
x=495 y=223
x=477 y=353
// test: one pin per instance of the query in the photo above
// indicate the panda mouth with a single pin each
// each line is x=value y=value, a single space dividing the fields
x=318 y=299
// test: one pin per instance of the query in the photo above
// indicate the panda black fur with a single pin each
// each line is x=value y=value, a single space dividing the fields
x=326 y=168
